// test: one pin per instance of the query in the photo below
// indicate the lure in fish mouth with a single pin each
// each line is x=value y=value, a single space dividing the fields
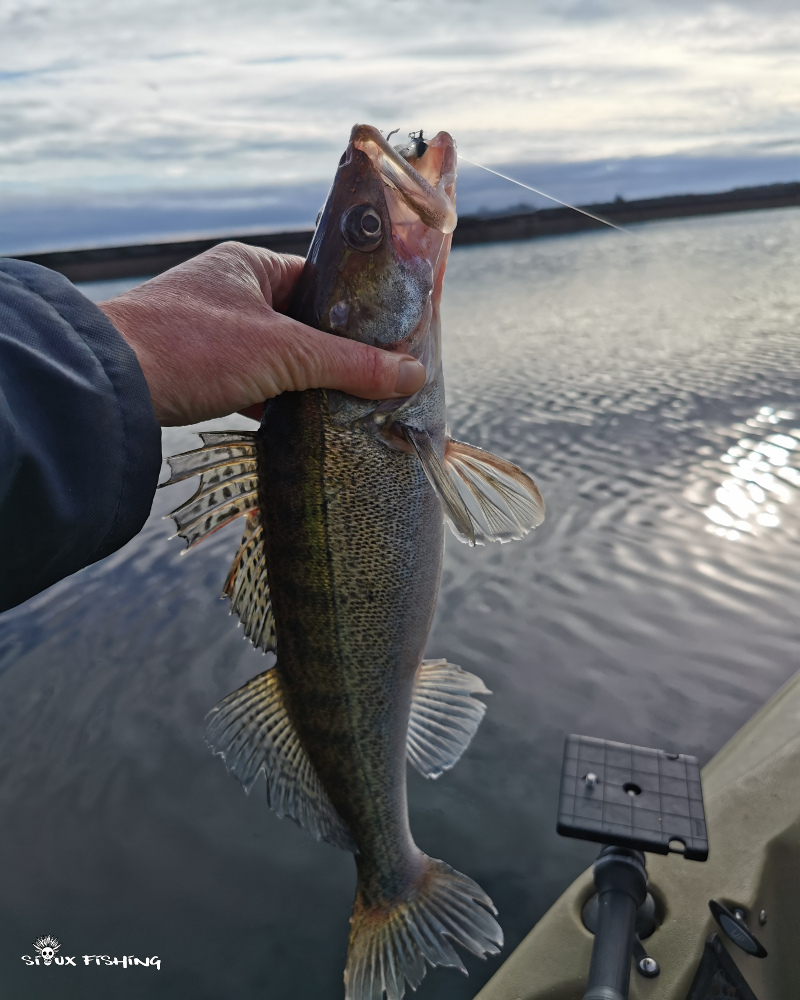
x=338 y=570
x=376 y=263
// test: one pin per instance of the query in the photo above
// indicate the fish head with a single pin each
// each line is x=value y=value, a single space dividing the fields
x=375 y=267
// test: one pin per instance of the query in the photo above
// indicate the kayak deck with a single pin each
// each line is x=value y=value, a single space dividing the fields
x=752 y=796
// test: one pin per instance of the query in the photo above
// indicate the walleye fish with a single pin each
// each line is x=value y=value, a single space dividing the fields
x=338 y=569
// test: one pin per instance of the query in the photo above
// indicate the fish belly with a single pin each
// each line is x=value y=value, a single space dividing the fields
x=354 y=538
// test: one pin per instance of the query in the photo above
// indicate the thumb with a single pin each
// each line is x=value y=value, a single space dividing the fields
x=313 y=359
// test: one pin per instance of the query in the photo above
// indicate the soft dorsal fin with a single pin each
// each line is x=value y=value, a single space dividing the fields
x=444 y=716
x=228 y=483
x=485 y=498
x=252 y=731
x=247 y=586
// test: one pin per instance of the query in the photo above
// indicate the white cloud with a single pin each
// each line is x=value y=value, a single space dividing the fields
x=154 y=93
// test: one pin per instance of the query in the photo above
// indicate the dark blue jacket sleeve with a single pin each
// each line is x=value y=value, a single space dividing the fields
x=80 y=449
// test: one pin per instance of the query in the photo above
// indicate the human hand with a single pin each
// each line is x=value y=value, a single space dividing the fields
x=211 y=339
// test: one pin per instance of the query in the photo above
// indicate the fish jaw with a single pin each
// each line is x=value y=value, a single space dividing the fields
x=427 y=189
x=420 y=196
x=398 y=279
x=374 y=292
x=387 y=295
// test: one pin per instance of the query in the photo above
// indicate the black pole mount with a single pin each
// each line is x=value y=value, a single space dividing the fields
x=621 y=881
x=631 y=800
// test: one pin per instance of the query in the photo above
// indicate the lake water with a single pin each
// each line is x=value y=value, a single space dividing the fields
x=651 y=384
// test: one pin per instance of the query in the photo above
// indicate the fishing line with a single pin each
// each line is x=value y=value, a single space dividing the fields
x=550 y=197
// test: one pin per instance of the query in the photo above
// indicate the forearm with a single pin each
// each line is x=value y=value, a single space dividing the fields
x=79 y=443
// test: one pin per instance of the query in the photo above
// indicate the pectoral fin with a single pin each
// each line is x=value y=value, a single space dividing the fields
x=252 y=731
x=444 y=716
x=485 y=498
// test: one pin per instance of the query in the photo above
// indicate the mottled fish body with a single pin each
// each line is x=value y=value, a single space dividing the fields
x=339 y=567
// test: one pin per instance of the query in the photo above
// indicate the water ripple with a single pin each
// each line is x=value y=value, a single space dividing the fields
x=648 y=383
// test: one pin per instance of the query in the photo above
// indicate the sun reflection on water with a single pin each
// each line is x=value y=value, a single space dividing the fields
x=764 y=473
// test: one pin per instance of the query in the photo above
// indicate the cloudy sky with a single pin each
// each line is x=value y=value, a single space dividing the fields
x=145 y=102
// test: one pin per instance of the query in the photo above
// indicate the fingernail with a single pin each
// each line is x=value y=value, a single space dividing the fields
x=410 y=377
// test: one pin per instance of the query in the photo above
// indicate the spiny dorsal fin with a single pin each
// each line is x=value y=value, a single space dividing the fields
x=390 y=943
x=252 y=731
x=228 y=483
x=213 y=507
x=485 y=498
x=220 y=449
x=228 y=468
x=247 y=586
x=444 y=716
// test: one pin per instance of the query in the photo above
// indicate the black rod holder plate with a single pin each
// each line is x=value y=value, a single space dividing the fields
x=629 y=796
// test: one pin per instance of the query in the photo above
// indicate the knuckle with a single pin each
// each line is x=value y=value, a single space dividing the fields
x=226 y=248
x=374 y=367
x=231 y=251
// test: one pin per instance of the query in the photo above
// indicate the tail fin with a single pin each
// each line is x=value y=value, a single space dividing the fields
x=389 y=945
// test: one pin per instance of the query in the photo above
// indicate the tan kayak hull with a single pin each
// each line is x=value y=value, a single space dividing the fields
x=752 y=795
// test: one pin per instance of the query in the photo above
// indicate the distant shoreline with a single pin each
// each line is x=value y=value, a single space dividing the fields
x=144 y=260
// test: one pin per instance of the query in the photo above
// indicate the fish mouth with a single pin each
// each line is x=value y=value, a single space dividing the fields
x=420 y=196
x=423 y=193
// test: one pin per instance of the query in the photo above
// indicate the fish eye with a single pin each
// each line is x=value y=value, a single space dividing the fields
x=362 y=228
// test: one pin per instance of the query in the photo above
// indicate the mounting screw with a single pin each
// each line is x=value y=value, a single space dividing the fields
x=591 y=780
x=762 y=917
x=649 y=967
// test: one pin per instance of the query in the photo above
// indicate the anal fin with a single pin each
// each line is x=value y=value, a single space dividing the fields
x=444 y=716
x=485 y=498
x=252 y=731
